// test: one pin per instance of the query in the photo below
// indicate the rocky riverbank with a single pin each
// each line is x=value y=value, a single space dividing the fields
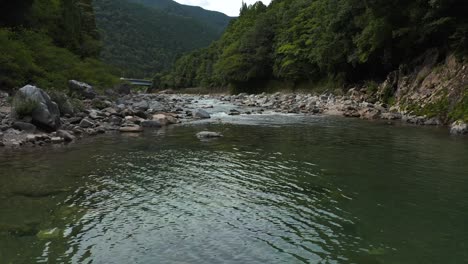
x=34 y=118
x=351 y=105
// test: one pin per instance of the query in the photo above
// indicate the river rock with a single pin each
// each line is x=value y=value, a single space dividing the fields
x=131 y=129
x=115 y=120
x=124 y=88
x=234 y=112
x=165 y=119
x=201 y=114
x=209 y=134
x=57 y=140
x=23 y=126
x=46 y=114
x=86 y=123
x=459 y=128
x=369 y=113
x=151 y=124
x=82 y=89
x=391 y=116
x=143 y=105
x=67 y=136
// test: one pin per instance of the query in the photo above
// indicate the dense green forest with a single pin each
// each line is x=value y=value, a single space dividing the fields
x=313 y=41
x=214 y=19
x=146 y=36
x=48 y=42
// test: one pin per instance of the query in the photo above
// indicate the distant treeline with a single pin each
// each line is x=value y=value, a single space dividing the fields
x=309 y=41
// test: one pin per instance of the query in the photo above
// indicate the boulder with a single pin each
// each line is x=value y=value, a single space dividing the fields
x=45 y=114
x=209 y=134
x=82 y=89
x=201 y=114
x=115 y=120
x=459 y=128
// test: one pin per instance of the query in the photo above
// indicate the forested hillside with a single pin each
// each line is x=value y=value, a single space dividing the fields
x=48 y=42
x=213 y=19
x=320 y=41
x=146 y=37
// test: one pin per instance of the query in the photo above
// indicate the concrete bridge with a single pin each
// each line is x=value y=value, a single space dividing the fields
x=138 y=82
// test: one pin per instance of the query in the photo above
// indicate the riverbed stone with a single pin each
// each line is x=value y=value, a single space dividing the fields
x=234 y=112
x=49 y=234
x=66 y=135
x=369 y=113
x=57 y=140
x=23 y=126
x=131 y=129
x=459 y=128
x=165 y=119
x=208 y=134
x=86 y=123
x=151 y=124
x=143 y=105
x=201 y=114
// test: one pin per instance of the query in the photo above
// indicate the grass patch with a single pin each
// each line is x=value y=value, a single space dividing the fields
x=23 y=106
x=460 y=111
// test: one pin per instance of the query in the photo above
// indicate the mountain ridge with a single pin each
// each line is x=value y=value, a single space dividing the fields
x=146 y=36
x=217 y=18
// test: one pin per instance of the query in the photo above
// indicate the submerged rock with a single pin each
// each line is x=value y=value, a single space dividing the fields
x=209 y=134
x=53 y=233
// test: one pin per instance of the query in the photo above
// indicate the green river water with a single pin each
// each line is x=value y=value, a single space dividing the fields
x=274 y=189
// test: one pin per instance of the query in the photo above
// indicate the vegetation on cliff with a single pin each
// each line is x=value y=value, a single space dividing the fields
x=300 y=42
x=48 y=42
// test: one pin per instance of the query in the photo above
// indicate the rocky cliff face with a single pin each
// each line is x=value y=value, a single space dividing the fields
x=433 y=89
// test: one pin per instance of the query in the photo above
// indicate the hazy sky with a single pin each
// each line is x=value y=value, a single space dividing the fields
x=228 y=7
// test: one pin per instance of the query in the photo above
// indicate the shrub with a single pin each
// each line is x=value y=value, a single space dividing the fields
x=23 y=106
x=78 y=105
x=62 y=101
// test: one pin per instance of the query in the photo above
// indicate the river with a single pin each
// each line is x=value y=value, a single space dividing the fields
x=274 y=189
